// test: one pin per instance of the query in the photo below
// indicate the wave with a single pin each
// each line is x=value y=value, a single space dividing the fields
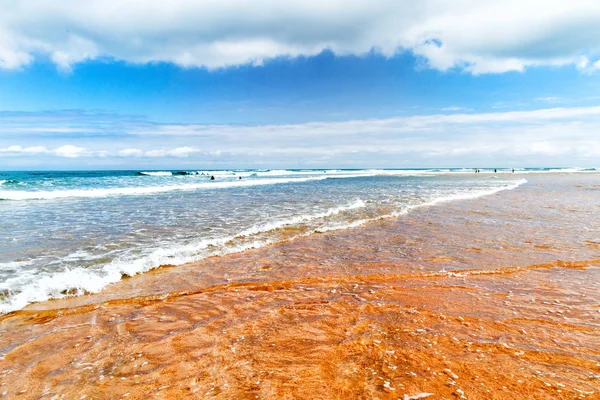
x=12 y=265
x=269 y=173
x=438 y=200
x=79 y=281
x=300 y=219
x=283 y=172
x=16 y=195
x=192 y=173
x=156 y=173
x=189 y=173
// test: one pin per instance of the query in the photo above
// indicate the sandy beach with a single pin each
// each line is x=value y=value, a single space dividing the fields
x=489 y=298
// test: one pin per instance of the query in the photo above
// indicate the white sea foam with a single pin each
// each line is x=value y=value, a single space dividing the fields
x=146 y=190
x=157 y=173
x=11 y=265
x=438 y=200
x=300 y=219
x=474 y=195
x=29 y=287
x=401 y=172
x=2 y=181
x=285 y=172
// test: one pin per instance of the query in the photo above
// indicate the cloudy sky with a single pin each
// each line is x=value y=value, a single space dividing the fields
x=307 y=84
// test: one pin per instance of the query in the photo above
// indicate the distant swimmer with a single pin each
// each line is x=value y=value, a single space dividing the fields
x=495 y=170
x=513 y=170
x=240 y=177
x=212 y=177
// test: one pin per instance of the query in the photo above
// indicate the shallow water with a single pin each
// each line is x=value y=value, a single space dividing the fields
x=67 y=233
x=489 y=298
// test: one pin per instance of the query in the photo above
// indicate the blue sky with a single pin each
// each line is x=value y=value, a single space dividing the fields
x=334 y=84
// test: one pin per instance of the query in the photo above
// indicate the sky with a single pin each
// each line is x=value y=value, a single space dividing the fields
x=124 y=84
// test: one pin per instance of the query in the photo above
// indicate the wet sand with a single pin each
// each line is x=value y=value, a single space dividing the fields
x=492 y=298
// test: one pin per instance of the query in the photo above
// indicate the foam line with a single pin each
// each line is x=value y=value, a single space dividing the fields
x=156 y=173
x=146 y=190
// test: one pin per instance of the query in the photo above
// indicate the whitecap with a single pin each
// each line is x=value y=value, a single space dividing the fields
x=156 y=173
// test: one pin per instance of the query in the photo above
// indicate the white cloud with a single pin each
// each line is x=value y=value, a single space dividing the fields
x=554 y=135
x=70 y=151
x=75 y=49
x=24 y=150
x=476 y=36
x=35 y=150
x=552 y=99
x=584 y=65
x=417 y=123
x=454 y=108
x=130 y=153
x=550 y=136
x=177 y=152
x=183 y=151
x=11 y=56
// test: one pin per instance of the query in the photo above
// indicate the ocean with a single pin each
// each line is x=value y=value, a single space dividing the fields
x=70 y=233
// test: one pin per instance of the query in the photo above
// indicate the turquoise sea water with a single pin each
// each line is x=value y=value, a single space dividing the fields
x=68 y=233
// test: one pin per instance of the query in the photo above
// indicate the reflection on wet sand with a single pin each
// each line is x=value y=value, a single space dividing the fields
x=496 y=298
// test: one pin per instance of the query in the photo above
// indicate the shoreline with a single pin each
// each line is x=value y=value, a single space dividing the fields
x=461 y=299
x=246 y=240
